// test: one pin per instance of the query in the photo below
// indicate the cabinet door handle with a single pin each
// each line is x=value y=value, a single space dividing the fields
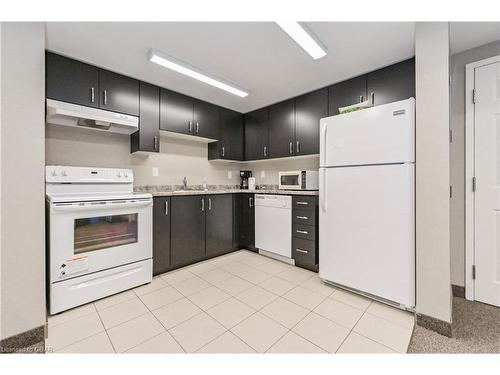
x=250 y=202
x=302 y=251
x=265 y=151
x=105 y=97
x=190 y=127
x=202 y=204
x=372 y=95
x=303 y=203
x=361 y=98
x=166 y=208
x=92 y=95
x=197 y=128
x=302 y=217
x=298 y=147
x=156 y=142
x=223 y=151
x=291 y=148
x=301 y=231
x=210 y=204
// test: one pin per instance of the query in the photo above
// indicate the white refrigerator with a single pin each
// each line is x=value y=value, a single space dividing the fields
x=367 y=202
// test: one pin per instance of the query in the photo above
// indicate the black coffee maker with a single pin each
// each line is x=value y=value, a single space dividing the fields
x=244 y=179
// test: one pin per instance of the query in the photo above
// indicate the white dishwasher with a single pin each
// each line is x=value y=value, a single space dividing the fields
x=273 y=224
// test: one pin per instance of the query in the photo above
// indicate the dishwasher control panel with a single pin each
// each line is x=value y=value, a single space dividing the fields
x=270 y=200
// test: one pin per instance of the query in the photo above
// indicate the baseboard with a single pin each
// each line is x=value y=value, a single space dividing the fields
x=32 y=341
x=433 y=324
x=458 y=291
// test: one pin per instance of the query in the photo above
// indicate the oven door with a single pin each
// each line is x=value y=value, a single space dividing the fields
x=290 y=180
x=86 y=237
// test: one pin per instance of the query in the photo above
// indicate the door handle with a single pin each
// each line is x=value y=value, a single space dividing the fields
x=297 y=149
x=105 y=97
x=190 y=127
x=291 y=148
x=301 y=231
x=166 y=208
x=223 y=151
x=302 y=251
x=323 y=192
x=197 y=128
x=210 y=204
x=324 y=143
x=156 y=142
x=361 y=98
x=202 y=204
x=250 y=202
x=92 y=95
x=265 y=151
x=372 y=95
x=303 y=203
x=302 y=217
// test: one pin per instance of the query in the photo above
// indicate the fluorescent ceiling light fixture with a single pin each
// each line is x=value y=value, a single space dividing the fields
x=303 y=38
x=190 y=71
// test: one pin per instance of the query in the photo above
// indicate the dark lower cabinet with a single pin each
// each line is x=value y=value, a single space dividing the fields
x=187 y=229
x=392 y=83
x=346 y=93
x=161 y=235
x=219 y=224
x=71 y=81
x=118 y=93
x=309 y=109
x=148 y=136
x=305 y=249
x=244 y=221
x=282 y=129
x=257 y=134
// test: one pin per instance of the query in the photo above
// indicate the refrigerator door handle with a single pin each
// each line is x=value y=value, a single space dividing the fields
x=323 y=191
x=323 y=163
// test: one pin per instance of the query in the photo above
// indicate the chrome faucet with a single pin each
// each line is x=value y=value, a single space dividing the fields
x=185 y=183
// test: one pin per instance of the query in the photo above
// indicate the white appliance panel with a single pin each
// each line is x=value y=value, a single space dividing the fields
x=378 y=135
x=366 y=230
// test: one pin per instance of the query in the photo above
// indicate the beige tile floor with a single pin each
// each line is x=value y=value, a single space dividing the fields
x=238 y=303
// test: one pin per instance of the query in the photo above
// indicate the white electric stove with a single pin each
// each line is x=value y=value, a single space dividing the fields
x=99 y=234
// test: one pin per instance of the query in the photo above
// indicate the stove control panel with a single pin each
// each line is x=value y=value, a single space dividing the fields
x=87 y=175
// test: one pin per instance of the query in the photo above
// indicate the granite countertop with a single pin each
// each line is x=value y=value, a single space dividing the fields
x=169 y=190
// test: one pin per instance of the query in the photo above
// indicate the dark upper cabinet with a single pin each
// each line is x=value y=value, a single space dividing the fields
x=392 y=83
x=230 y=144
x=282 y=129
x=118 y=93
x=148 y=136
x=161 y=235
x=176 y=112
x=71 y=81
x=219 y=224
x=244 y=221
x=346 y=93
x=309 y=109
x=206 y=120
x=187 y=231
x=257 y=134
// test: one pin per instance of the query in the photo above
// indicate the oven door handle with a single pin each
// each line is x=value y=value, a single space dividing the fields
x=75 y=207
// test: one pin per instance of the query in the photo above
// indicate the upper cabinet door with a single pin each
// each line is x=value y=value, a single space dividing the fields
x=206 y=120
x=393 y=83
x=309 y=109
x=257 y=134
x=148 y=136
x=118 y=93
x=176 y=112
x=346 y=93
x=282 y=129
x=71 y=81
x=233 y=134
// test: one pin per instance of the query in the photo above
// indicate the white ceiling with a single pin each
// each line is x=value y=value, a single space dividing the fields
x=256 y=56
x=467 y=35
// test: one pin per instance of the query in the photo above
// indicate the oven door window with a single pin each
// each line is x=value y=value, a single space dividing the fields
x=95 y=233
x=290 y=180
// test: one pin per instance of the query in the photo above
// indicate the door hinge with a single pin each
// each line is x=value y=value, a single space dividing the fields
x=474 y=272
x=473 y=96
x=451 y=191
x=473 y=184
x=451 y=136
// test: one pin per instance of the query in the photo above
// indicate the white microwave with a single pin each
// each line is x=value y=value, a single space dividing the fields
x=299 y=180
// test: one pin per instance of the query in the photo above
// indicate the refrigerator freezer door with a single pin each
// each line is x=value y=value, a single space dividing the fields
x=366 y=230
x=378 y=135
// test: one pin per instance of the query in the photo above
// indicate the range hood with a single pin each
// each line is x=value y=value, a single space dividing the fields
x=67 y=114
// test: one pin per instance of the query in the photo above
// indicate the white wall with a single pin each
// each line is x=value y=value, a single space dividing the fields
x=22 y=180
x=177 y=158
x=457 y=153
x=432 y=170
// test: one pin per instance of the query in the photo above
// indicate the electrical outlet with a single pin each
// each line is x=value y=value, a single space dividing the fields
x=229 y=175
x=262 y=174
x=155 y=172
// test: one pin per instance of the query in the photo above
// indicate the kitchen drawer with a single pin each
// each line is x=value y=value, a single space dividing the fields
x=306 y=232
x=307 y=217
x=304 y=253
x=303 y=202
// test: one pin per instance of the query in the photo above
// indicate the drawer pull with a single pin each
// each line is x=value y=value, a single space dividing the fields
x=302 y=251
x=302 y=231
x=302 y=217
x=303 y=203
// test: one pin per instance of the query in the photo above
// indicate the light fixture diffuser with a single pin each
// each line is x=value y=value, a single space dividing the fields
x=190 y=71
x=303 y=38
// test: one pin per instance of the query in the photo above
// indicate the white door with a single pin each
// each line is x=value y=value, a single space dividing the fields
x=379 y=135
x=367 y=230
x=487 y=172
